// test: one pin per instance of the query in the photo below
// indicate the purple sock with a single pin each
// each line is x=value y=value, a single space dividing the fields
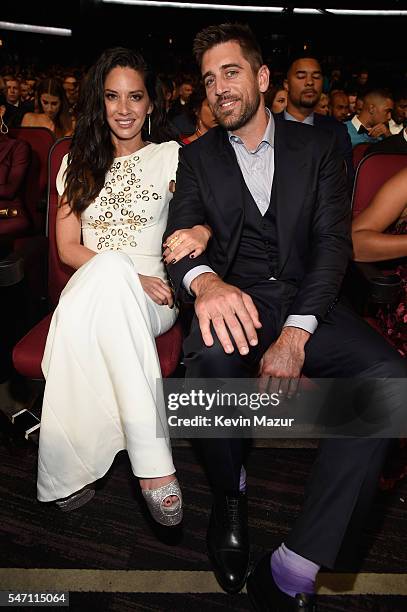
x=292 y=573
x=242 y=483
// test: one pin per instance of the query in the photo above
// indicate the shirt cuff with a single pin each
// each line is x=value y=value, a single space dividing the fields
x=192 y=274
x=307 y=322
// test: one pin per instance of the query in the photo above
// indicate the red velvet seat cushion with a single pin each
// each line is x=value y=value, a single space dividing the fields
x=28 y=352
x=12 y=227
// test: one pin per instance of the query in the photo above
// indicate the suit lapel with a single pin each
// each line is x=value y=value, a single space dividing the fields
x=223 y=170
x=289 y=187
x=227 y=188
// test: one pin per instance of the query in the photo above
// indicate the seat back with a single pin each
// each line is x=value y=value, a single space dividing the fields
x=35 y=188
x=58 y=273
x=372 y=172
x=358 y=152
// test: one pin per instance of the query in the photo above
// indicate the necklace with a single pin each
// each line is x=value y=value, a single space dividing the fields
x=198 y=132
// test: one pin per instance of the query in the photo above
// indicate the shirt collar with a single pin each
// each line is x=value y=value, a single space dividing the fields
x=405 y=134
x=392 y=123
x=356 y=123
x=268 y=136
x=308 y=120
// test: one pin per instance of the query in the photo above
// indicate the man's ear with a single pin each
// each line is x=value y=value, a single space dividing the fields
x=263 y=77
x=285 y=83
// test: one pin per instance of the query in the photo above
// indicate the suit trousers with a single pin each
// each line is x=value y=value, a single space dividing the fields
x=345 y=474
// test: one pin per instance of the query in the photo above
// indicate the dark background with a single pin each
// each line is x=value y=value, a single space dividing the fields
x=165 y=35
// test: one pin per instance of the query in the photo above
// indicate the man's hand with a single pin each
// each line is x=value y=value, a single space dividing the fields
x=228 y=309
x=283 y=362
x=380 y=129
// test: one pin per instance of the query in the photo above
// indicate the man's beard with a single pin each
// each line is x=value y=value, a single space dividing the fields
x=231 y=123
x=309 y=102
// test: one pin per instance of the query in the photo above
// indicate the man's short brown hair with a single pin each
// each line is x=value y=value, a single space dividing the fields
x=229 y=32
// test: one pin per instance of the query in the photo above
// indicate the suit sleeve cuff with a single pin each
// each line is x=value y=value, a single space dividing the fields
x=192 y=274
x=307 y=322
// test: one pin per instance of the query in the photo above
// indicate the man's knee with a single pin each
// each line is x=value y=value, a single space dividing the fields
x=393 y=366
x=209 y=361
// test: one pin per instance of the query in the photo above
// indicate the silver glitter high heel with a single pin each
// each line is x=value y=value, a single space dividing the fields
x=165 y=515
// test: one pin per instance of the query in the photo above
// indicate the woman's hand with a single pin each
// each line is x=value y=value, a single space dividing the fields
x=157 y=289
x=185 y=242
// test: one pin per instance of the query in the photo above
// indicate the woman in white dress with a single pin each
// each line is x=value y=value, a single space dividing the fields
x=103 y=388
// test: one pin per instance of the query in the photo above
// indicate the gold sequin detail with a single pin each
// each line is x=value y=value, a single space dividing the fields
x=117 y=213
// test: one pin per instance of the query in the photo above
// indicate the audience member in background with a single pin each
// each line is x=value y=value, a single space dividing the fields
x=276 y=98
x=32 y=83
x=399 y=113
x=360 y=98
x=202 y=115
x=304 y=86
x=100 y=361
x=15 y=158
x=322 y=106
x=71 y=87
x=178 y=113
x=339 y=105
x=27 y=93
x=14 y=108
x=352 y=96
x=361 y=81
x=370 y=125
x=53 y=110
x=167 y=85
x=393 y=144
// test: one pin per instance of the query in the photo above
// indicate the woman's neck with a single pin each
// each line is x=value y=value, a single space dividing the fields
x=127 y=147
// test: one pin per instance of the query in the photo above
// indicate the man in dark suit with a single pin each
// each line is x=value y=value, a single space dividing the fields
x=304 y=85
x=266 y=289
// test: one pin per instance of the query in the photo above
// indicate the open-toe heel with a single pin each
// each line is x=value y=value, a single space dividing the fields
x=165 y=515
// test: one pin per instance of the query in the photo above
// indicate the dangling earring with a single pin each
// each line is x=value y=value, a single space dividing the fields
x=3 y=127
x=149 y=125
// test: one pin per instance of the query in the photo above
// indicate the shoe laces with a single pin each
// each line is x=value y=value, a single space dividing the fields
x=232 y=514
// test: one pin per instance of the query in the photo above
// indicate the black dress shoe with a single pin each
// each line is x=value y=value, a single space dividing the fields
x=265 y=596
x=228 y=541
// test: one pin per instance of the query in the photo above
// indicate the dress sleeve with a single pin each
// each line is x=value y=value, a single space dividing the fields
x=173 y=151
x=61 y=175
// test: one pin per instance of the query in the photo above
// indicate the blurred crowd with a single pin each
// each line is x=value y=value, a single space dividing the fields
x=50 y=99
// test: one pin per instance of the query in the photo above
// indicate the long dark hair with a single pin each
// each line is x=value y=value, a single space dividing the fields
x=92 y=150
x=63 y=120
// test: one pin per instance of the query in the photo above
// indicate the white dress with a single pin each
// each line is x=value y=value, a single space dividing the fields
x=103 y=389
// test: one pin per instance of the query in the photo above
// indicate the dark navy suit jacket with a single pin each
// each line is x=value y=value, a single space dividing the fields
x=330 y=124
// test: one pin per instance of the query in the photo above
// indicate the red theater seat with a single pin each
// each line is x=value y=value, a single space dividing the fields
x=372 y=172
x=358 y=152
x=40 y=140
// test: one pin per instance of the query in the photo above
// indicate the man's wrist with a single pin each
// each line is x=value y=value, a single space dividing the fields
x=201 y=282
x=295 y=335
